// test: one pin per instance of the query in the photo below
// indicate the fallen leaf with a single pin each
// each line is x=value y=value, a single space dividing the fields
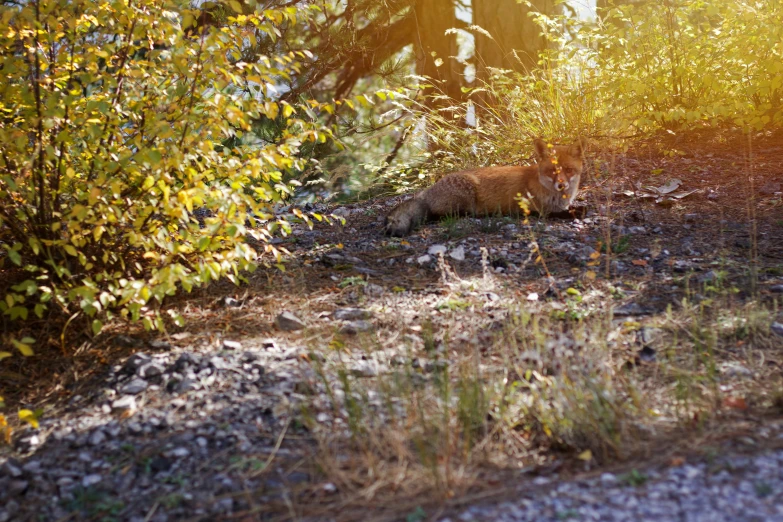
x=676 y=462
x=586 y=455
x=737 y=403
x=29 y=417
x=639 y=262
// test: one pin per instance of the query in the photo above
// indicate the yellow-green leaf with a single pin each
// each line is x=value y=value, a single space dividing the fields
x=29 y=417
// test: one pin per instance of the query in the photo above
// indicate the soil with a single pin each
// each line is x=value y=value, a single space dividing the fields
x=728 y=229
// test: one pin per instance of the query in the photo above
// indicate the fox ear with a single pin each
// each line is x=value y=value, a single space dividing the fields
x=541 y=149
x=577 y=148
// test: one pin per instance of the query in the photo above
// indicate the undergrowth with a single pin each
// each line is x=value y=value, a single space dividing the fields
x=506 y=385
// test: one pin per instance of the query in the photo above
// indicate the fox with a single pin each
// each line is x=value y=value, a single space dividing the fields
x=550 y=187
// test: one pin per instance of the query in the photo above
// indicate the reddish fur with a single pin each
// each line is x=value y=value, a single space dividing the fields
x=494 y=189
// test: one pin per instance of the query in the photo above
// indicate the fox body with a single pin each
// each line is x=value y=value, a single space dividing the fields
x=550 y=186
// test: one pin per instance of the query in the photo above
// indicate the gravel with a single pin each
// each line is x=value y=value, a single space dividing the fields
x=731 y=489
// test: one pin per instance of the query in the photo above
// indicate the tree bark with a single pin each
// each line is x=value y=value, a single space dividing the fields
x=436 y=51
x=516 y=38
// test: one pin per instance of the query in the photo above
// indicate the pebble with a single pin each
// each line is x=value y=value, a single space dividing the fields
x=231 y=345
x=91 y=480
x=288 y=322
x=631 y=309
x=97 y=438
x=351 y=314
x=423 y=260
x=354 y=327
x=134 y=387
x=458 y=254
x=436 y=250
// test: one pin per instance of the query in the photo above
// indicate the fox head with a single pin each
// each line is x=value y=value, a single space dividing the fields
x=559 y=167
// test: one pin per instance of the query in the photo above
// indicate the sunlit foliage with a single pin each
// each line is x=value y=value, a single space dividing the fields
x=119 y=122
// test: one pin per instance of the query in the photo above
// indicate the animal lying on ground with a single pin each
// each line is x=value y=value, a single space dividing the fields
x=550 y=187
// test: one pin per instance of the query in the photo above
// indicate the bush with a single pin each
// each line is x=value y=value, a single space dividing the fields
x=681 y=63
x=119 y=121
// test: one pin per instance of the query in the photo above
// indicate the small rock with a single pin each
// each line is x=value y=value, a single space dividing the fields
x=126 y=403
x=218 y=363
x=436 y=250
x=423 y=260
x=91 y=480
x=648 y=334
x=354 y=327
x=135 y=361
x=341 y=212
x=185 y=361
x=17 y=487
x=33 y=467
x=631 y=309
x=12 y=470
x=733 y=369
x=126 y=341
x=288 y=322
x=179 y=453
x=135 y=387
x=458 y=254
x=329 y=488
x=351 y=314
x=532 y=296
x=230 y=302
x=364 y=369
x=777 y=328
x=27 y=442
x=158 y=344
x=777 y=289
x=150 y=370
x=374 y=290
x=248 y=357
x=708 y=277
x=231 y=345
x=608 y=479
x=691 y=218
x=97 y=438
x=681 y=265
x=770 y=188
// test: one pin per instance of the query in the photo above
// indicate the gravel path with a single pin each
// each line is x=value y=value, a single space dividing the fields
x=731 y=489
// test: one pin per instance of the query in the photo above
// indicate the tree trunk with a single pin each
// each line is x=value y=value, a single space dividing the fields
x=516 y=38
x=436 y=51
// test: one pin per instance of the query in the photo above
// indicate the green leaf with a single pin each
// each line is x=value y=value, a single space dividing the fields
x=97 y=326
x=24 y=348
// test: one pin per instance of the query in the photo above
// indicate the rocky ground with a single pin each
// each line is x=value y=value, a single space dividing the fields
x=228 y=417
x=727 y=488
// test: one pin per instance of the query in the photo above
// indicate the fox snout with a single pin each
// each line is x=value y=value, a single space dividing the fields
x=561 y=185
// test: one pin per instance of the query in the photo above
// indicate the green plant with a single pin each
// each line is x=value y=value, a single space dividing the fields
x=352 y=281
x=634 y=478
x=118 y=122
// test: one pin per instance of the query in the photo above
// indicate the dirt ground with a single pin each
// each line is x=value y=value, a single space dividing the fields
x=716 y=234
